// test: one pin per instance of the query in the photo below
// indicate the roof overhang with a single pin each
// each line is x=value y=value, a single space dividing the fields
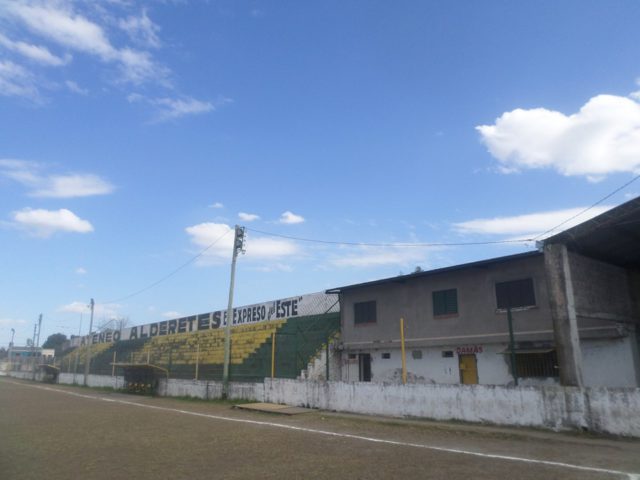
x=612 y=237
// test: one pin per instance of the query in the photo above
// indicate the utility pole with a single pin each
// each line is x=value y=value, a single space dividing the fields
x=33 y=349
x=238 y=246
x=87 y=361
x=13 y=332
x=39 y=329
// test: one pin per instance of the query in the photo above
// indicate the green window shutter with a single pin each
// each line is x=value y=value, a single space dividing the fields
x=451 y=299
x=445 y=302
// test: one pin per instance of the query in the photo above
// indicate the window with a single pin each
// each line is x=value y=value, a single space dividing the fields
x=416 y=354
x=445 y=302
x=515 y=294
x=386 y=356
x=539 y=364
x=364 y=312
x=447 y=354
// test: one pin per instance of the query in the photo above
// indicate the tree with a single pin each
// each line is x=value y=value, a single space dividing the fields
x=55 y=341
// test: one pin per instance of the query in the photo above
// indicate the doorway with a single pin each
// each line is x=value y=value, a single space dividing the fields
x=364 y=362
x=468 y=369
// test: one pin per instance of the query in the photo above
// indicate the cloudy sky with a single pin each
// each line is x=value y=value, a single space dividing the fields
x=134 y=135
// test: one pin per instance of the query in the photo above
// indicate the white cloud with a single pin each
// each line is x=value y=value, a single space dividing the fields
x=290 y=218
x=75 y=88
x=99 y=309
x=636 y=94
x=172 y=314
x=78 y=185
x=257 y=248
x=248 y=217
x=44 y=223
x=16 y=81
x=81 y=271
x=366 y=256
x=105 y=32
x=275 y=267
x=602 y=138
x=173 y=108
x=53 y=186
x=216 y=205
x=528 y=225
x=59 y=23
x=141 y=30
x=261 y=247
x=36 y=53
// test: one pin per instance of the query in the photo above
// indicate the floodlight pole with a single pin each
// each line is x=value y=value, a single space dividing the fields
x=238 y=246
x=87 y=361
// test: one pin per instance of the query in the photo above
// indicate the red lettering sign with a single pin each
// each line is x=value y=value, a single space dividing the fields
x=469 y=349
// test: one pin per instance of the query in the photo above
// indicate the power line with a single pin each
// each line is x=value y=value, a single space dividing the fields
x=189 y=262
x=366 y=244
x=369 y=244
x=449 y=244
x=590 y=207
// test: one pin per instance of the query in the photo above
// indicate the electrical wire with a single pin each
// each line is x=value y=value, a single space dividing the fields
x=169 y=275
x=449 y=244
x=589 y=208
x=365 y=244
x=368 y=244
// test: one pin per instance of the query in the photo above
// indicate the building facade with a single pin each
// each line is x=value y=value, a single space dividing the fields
x=457 y=328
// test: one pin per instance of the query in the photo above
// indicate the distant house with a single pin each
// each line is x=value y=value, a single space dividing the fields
x=23 y=358
x=574 y=307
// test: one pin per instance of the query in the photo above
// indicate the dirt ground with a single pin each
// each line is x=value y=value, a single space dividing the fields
x=61 y=432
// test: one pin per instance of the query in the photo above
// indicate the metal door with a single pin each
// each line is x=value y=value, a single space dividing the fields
x=468 y=369
x=365 y=367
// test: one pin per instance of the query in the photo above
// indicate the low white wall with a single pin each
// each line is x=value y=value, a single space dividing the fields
x=99 y=381
x=24 y=375
x=606 y=410
x=210 y=390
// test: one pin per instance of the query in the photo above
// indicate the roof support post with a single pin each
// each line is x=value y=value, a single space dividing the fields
x=563 y=313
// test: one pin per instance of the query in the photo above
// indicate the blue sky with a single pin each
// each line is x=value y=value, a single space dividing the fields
x=134 y=134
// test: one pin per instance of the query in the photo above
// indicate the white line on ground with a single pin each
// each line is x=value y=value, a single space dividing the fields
x=628 y=475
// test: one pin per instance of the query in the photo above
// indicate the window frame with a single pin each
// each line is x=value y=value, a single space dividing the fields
x=534 y=296
x=536 y=365
x=365 y=309
x=446 y=313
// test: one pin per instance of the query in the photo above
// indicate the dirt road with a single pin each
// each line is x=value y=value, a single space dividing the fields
x=60 y=432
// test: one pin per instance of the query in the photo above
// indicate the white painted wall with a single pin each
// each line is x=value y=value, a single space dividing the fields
x=608 y=363
x=210 y=390
x=99 y=381
x=493 y=368
x=607 y=410
x=614 y=411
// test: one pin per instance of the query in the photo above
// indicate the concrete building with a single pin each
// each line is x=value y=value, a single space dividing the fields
x=23 y=358
x=574 y=309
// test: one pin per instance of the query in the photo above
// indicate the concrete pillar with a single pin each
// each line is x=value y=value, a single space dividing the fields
x=563 y=312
